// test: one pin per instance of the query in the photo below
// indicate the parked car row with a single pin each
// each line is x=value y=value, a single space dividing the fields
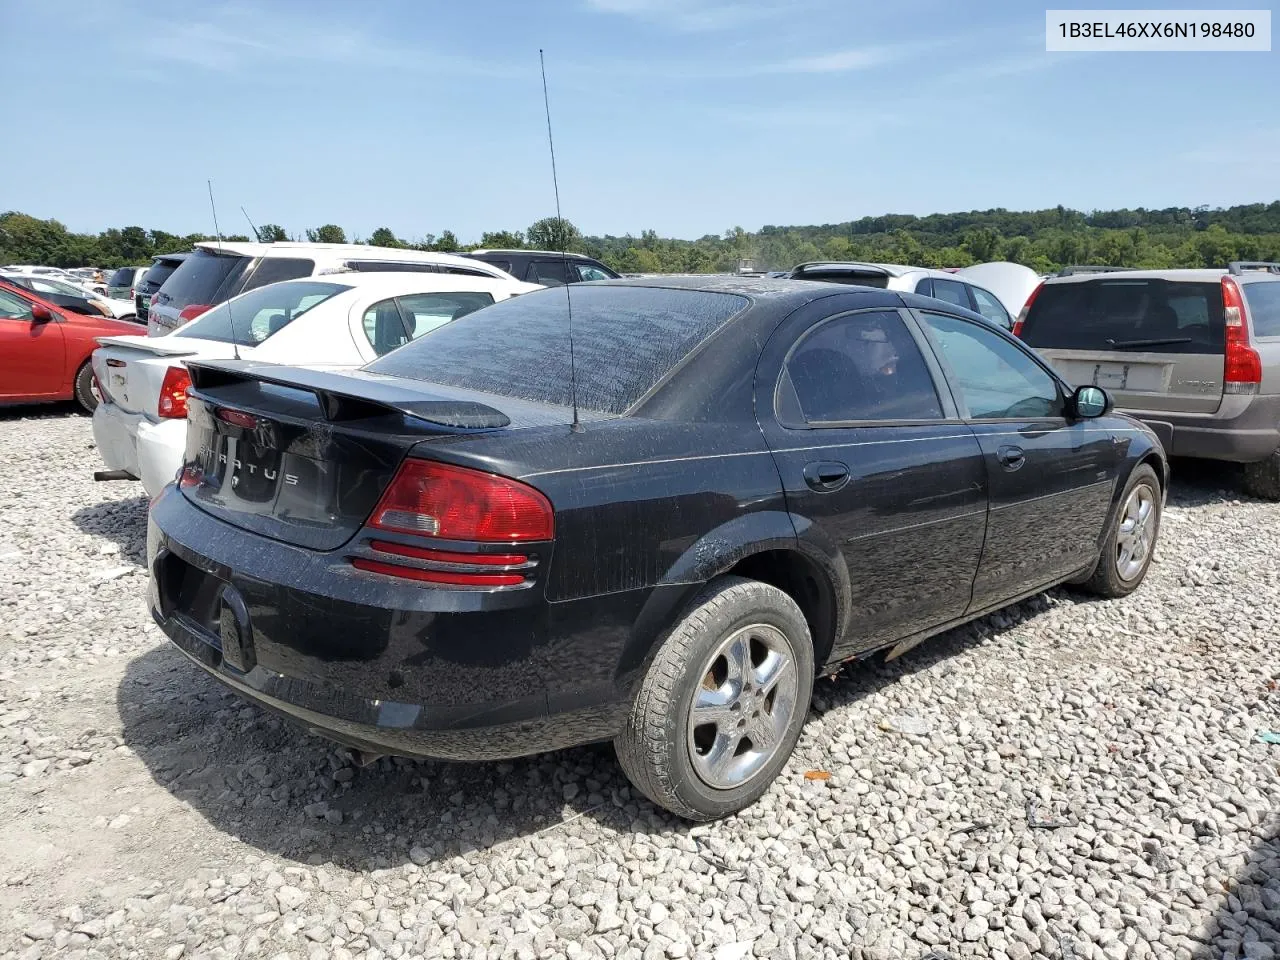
x=401 y=501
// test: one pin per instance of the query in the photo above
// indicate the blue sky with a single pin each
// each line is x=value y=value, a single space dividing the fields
x=683 y=116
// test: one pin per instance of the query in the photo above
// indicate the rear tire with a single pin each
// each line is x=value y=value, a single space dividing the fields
x=1120 y=572
x=744 y=652
x=84 y=389
x=1262 y=479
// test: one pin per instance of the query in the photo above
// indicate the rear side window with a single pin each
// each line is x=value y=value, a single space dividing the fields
x=391 y=266
x=625 y=340
x=275 y=269
x=1163 y=316
x=549 y=272
x=1263 y=300
x=250 y=319
x=951 y=292
x=864 y=366
x=388 y=328
x=204 y=278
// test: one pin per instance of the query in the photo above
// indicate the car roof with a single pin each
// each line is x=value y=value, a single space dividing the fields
x=775 y=291
x=527 y=252
x=1185 y=275
x=354 y=251
x=396 y=282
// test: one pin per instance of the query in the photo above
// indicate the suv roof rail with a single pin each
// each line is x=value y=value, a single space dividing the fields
x=1238 y=267
x=1073 y=271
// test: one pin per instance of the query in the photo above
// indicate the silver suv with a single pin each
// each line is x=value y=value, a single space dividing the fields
x=1194 y=354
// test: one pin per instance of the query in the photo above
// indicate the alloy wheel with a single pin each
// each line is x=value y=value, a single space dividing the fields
x=742 y=706
x=1137 y=532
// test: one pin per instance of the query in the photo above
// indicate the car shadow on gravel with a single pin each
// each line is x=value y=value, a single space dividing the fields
x=1249 y=920
x=41 y=411
x=1199 y=483
x=274 y=786
x=123 y=522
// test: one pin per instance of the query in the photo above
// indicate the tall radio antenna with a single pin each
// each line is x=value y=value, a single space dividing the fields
x=235 y=345
x=256 y=234
x=576 y=426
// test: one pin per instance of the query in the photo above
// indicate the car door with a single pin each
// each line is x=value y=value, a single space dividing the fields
x=32 y=354
x=1050 y=478
x=876 y=465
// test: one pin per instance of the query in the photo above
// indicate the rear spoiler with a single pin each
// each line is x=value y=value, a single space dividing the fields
x=1075 y=271
x=350 y=395
x=160 y=346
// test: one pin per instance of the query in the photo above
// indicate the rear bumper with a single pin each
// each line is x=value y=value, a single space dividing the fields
x=366 y=661
x=149 y=450
x=1244 y=430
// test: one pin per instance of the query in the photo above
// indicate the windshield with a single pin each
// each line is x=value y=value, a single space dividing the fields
x=1163 y=316
x=250 y=319
x=625 y=340
x=47 y=285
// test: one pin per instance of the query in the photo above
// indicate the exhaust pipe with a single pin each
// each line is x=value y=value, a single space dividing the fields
x=113 y=475
x=362 y=758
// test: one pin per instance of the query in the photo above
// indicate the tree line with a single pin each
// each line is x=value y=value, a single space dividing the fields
x=1044 y=240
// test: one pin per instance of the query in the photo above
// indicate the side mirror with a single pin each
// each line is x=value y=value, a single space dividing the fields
x=40 y=313
x=1090 y=402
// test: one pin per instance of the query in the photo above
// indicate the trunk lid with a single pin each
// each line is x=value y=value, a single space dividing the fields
x=303 y=455
x=131 y=369
x=1156 y=344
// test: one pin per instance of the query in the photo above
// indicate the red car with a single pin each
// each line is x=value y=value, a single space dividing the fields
x=44 y=350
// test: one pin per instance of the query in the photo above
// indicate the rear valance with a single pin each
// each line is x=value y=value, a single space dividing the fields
x=351 y=395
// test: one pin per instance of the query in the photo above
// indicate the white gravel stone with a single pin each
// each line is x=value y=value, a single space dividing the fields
x=1131 y=727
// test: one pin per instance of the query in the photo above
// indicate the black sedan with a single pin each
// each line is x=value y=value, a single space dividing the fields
x=436 y=556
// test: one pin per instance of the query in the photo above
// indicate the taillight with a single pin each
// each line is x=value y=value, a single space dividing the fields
x=444 y=502
x=173 y=393
x=191 y=311
x=455 y=503
x=1243 y=368
x=1026 y=308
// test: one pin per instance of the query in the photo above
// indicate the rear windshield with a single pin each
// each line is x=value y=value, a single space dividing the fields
x=1162 y=316
x=204 y=278
x=869 y=279
x=159 y=272
x=122 y=277
x=1263 y=300
x=625 y=340
x=250 y=319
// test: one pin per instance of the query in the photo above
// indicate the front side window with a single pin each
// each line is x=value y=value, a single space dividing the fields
x=991 y=308
x=13 y=307
x=588 y=271
x=996 y=378
x=862 y=366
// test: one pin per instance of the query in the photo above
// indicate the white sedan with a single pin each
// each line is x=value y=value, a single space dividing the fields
x=344 y=319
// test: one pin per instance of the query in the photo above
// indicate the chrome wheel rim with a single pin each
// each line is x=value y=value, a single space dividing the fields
x=744 y=702
x=1137 y=532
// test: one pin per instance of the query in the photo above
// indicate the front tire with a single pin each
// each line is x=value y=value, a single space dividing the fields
x=1262 y=479
x=1131 y=537
x=721 y=706
x=86 y=393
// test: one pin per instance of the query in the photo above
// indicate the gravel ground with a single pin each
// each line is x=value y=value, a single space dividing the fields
x=1067 y=779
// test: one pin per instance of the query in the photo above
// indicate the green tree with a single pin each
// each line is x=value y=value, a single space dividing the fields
x=502 y=240
x=272 y=233
x=329 y=233
x=447 y=242
x=551 y=233
x=383 y=237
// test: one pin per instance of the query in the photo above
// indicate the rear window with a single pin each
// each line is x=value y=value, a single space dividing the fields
x=1263 y=300
x=250 y=319
x=122 y=277
x=625 y=340
x=1162 y=316
x=158 y=273
x=203 y=278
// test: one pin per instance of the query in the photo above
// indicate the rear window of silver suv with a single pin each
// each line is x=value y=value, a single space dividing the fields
x=1169 y=316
